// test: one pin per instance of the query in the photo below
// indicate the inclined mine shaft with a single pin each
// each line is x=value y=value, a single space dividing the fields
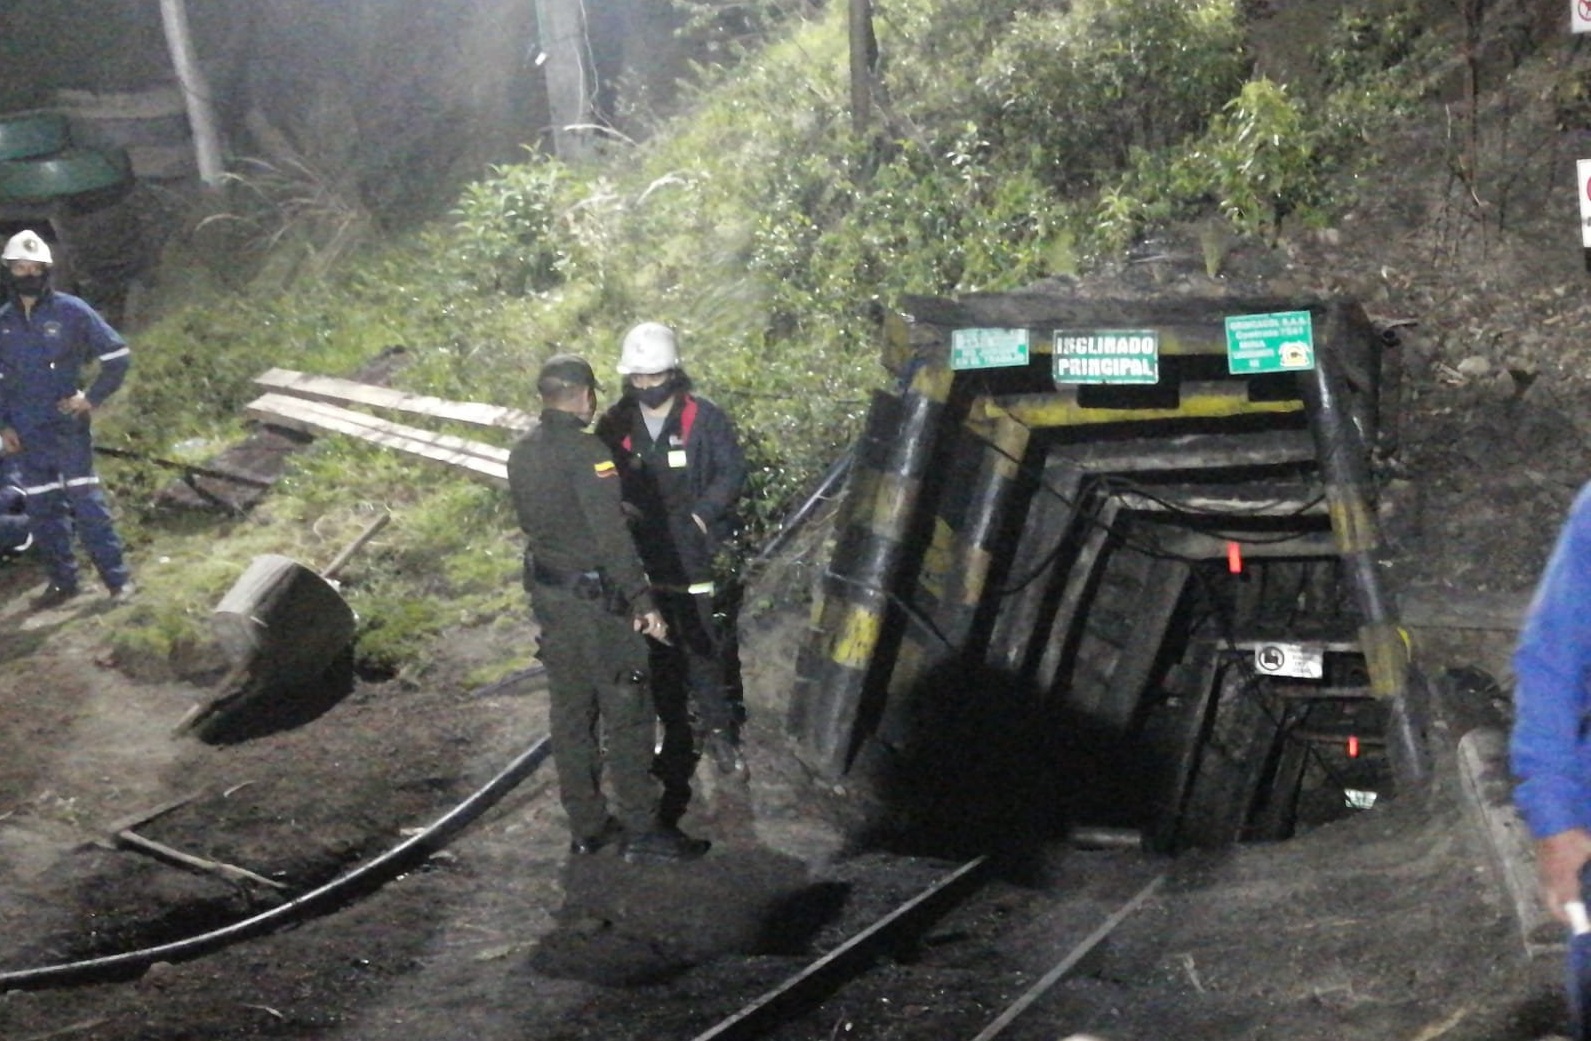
x=1149 y=605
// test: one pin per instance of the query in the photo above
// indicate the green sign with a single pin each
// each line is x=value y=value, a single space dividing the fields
x=988 y=348
x=1107 y=356
x=1280 y=342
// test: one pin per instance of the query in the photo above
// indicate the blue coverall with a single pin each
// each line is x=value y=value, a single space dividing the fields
x=42 y=357
x=1549 y=750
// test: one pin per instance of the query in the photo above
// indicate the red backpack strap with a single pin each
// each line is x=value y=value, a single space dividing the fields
x=687 y=417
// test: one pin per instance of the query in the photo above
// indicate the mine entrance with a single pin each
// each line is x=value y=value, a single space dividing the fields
x=1152 y=608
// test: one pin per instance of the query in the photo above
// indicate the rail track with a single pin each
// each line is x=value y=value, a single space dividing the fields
x=890 y=977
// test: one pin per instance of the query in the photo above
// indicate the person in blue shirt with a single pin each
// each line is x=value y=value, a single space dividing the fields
x=47 y=339
x=1550 y=747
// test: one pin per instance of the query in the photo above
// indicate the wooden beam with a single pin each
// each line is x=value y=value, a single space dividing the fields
x=1233 y=503
x=1439 y=608
x=350 y=392
x=479 y=460
x=1188 y=452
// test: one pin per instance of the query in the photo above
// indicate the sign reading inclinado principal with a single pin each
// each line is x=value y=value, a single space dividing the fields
x=1107 y=356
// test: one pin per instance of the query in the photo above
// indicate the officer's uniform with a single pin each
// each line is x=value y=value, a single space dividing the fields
x=565 y=489
x=693 y=466
x=42 y=356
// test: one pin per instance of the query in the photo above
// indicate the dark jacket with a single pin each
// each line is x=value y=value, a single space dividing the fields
x=565 y=489
x=694 y=466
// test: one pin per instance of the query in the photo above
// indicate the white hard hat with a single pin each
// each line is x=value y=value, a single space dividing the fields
x=26 y=245
x=648 y=348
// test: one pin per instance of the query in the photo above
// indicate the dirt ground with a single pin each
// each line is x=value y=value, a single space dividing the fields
x=1390 y=925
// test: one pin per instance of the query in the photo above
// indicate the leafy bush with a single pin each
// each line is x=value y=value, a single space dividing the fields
x=1085 y=86
x=509 y=239
x=1258 y=160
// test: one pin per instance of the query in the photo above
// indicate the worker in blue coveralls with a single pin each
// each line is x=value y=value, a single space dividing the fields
x=683 y=472
x=1550 y=746
x=47 y=339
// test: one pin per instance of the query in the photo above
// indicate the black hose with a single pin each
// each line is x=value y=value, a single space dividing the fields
x=382 y=869
x=798 y=517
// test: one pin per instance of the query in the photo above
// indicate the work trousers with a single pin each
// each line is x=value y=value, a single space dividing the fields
x=65 y=499
x=698 y=647
x=602 y=720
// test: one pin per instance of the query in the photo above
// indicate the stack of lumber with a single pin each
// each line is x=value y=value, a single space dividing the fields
x=319 y=405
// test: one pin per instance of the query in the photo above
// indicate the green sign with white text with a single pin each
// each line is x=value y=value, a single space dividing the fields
x=1280 y=342
x=1107 y=356
x=988 y=348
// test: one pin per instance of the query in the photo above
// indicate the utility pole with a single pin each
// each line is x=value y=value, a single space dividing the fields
x=563 y=54
x=195 y=92
x=864 y=57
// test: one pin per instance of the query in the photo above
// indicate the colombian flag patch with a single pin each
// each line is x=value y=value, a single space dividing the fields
x=606 y=469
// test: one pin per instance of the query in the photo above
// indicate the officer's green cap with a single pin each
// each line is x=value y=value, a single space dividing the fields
x=568 y=368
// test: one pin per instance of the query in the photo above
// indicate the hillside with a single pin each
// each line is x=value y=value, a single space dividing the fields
x=1463 y=245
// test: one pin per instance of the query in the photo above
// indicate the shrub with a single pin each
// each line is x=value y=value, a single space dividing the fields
x=1085 y=86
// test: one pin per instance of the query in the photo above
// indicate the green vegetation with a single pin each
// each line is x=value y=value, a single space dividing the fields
x=1015 y=140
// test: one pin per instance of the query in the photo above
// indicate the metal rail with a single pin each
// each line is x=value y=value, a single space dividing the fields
x=1066 y=964
x=756 y=1018
x=851 y=960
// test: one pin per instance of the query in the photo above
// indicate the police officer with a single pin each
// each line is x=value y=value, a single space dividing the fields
x=683 y=472
x=591 y=599
x=47 y=338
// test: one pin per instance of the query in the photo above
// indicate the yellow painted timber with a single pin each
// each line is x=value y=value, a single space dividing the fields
x=1199 y=401
x=894 y=497
x=1386 y=654
x=857 y=637
x=939 y=559
x=1351 y=523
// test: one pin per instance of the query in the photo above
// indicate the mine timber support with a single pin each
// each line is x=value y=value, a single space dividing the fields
x=1055 y=548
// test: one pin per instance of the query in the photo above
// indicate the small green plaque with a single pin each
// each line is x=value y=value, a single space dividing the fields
x=1280 y=342
x=988 y=348
x=1107 y=356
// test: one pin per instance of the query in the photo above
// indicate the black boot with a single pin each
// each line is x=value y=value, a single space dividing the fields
x=723 y=748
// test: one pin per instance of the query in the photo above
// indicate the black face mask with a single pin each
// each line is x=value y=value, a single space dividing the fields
x=29 y=285
x=651 y=397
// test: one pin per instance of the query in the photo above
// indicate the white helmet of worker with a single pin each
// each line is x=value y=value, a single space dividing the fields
x=26 y=245
x=649 y=348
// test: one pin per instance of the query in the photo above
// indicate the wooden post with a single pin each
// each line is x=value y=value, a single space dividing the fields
x=195 y=92
x=562 y=28
x=864 y=55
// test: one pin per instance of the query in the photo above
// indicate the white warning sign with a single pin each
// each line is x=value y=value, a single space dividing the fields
x=1290 y=659
x=1582 y=175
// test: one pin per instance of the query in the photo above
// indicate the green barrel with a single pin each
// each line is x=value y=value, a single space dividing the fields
x=75 y=171
x=27 y=135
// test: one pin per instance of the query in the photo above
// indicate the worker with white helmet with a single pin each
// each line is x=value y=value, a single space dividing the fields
x=47 y=340
x=683 y=472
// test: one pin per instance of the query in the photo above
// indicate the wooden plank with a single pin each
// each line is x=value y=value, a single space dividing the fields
x=1189 y=452
x=335 y=391
x=1463 y=609
x=479 y=460
x=1273 y=500
x=1484 y=783
x=263 y=456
